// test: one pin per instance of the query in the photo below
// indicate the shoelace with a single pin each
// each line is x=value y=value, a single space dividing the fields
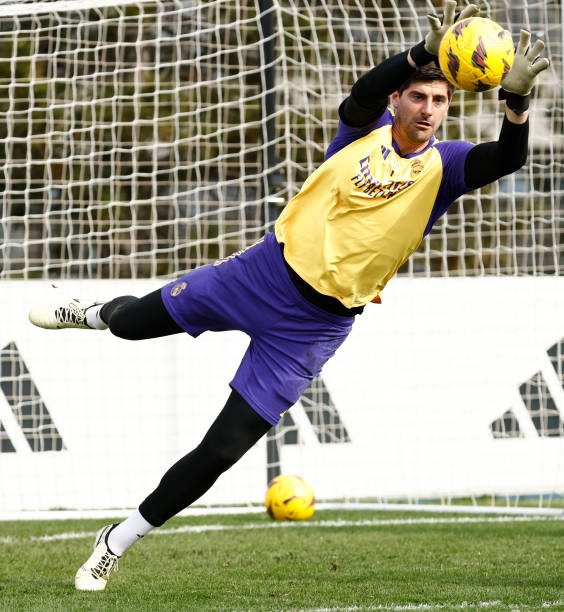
x=70 y=314
x=105 y=566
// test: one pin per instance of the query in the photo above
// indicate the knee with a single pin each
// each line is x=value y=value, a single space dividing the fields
x=221 y=457
x=122 y=327
x=118 y=315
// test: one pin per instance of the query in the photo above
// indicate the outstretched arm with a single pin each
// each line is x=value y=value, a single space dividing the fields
x=369 y=95
x=489 y=161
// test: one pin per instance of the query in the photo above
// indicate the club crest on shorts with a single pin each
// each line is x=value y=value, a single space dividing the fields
x=178 y=289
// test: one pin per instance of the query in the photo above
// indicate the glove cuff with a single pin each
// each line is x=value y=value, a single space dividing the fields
x=420 y=55
x=517 y=103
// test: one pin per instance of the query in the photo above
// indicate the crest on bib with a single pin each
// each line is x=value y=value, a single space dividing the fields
x=416 y=167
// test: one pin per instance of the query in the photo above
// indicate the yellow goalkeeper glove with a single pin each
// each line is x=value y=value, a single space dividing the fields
x=439 y=28
x=521 y=77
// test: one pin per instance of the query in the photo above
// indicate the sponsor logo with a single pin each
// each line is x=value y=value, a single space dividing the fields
x=323 y=416
x=26 y=418
x=373 y=188
x=543 y=416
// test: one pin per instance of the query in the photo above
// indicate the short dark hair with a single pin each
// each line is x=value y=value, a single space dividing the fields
x=426 y=74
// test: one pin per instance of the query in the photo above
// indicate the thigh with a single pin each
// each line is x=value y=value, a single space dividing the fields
x=198 y=302
x=280 y=365
x=235 y=293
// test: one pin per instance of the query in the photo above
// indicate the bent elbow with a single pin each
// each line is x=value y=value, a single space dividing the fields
x=512 y=165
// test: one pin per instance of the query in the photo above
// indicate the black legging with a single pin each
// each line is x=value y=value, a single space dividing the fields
x=134 y=318
x=236 y=429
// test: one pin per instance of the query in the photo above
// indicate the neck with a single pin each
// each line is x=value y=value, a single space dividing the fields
x=406 y=146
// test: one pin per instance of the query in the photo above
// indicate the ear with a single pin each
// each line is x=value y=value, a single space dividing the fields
x=395 y=99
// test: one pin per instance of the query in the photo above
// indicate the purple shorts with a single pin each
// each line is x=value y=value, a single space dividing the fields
x=251 y=291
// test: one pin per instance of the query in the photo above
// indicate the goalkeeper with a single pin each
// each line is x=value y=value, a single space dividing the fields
x=384 y=183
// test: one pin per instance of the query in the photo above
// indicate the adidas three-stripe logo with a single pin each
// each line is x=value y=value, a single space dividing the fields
x=25 y=422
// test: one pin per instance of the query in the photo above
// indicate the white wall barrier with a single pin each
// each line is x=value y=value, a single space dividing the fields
x=418 y=386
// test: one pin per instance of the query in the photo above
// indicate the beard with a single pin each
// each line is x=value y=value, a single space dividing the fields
x=419 y=133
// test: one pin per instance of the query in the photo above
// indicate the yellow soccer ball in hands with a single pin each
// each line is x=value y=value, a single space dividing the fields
x=289 y=498
x=475 y=54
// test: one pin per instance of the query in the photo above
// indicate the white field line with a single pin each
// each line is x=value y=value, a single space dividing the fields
x=52 y=515
x=296 y=525
x=465 y=605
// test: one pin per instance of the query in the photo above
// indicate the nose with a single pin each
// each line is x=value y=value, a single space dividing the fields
x=427 y=107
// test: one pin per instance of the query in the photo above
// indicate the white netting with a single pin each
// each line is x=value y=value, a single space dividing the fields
x=142 y=139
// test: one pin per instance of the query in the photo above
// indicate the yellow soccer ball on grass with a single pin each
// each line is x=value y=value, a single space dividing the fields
x=289 y=498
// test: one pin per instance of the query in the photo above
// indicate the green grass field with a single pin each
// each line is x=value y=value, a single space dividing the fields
x=339 y=560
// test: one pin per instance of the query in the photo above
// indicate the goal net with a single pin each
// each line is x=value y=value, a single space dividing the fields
x=141 y=139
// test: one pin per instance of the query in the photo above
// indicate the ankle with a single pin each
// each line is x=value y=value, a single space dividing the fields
x=94 y=318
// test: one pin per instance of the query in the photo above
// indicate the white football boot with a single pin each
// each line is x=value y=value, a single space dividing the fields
x=61 y=312
x=94 y=574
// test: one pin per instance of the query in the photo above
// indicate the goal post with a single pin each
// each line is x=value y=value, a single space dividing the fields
x=141 y=139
